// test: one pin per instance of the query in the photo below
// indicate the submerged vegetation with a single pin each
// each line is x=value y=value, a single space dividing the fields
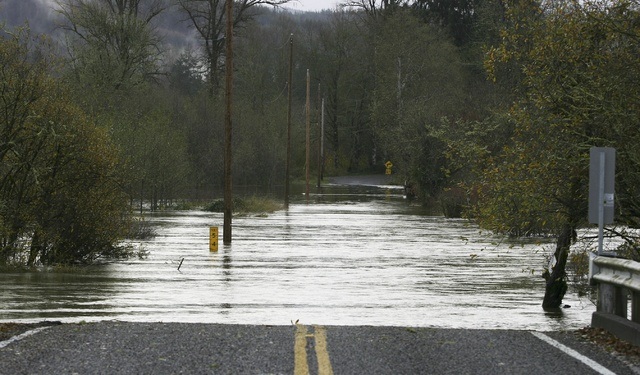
x=247 y=206
x=140 y=229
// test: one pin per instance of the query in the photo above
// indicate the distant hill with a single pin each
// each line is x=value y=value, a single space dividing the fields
x=42 y=18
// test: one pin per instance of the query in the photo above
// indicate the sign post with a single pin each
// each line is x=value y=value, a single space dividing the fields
x=602 y=170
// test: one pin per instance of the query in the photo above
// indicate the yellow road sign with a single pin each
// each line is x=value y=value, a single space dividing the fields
x=213 y=239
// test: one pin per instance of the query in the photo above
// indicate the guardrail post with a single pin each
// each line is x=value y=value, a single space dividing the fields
x=635 y=307
x=611 y=300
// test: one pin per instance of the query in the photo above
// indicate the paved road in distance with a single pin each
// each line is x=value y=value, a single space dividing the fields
x=174 y=348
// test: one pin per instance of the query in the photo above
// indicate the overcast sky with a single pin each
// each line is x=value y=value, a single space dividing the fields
x=303 y=5
x=313 y=5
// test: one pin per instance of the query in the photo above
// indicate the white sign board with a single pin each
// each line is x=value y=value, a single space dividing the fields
x=602 y=171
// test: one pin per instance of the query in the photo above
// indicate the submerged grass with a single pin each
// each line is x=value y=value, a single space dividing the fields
x=140 y=229
x=247 y=206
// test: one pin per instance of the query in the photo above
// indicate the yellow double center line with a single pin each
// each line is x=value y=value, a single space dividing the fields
x=301 y=366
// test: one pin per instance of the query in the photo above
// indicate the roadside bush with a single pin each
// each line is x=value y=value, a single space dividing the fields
x=60 y=195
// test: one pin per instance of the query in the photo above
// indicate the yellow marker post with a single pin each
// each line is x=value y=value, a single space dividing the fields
x=213 y=239
x=388 y=165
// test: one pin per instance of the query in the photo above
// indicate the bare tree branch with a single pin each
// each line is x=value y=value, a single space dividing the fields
x=208 y=18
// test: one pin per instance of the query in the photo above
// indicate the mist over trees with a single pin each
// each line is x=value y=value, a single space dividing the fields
x=485 y=107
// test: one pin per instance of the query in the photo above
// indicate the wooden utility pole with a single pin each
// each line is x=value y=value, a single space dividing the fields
x=319 y=100
x=321 y=142
x=307 y=163
x=288 y=161
x=228 y=193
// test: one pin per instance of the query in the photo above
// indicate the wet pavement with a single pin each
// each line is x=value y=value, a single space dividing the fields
x=175 y=348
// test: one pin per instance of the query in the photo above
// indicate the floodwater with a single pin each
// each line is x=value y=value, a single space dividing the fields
x=350 y=256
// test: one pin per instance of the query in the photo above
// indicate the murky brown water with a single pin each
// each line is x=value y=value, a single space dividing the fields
x=349 y=257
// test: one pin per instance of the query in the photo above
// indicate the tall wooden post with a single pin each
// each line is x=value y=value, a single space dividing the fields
x=322 y=139
x=288 y=161
x=318 y=115
x=308 y=139
x=228 y=193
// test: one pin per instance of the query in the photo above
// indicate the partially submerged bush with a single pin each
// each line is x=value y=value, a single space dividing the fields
x=218 y=205
x=61 y=200
x=140 y=229
x=251 y=205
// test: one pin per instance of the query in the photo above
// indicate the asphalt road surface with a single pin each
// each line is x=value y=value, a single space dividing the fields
x=175 y=348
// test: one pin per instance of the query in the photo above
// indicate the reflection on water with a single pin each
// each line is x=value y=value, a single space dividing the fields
x=349 y=257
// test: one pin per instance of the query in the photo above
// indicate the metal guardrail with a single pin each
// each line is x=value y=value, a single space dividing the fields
x=617 y=279
x=615 y=271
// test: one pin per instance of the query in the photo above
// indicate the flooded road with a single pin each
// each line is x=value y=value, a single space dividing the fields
x=348 y=257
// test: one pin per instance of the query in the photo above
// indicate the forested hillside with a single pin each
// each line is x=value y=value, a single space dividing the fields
x=391 y=81
x=485 y=107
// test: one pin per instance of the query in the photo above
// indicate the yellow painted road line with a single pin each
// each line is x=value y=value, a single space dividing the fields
x=324 y=364
x=301 y=366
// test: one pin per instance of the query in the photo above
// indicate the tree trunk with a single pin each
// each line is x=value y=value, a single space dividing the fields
x=36 y=248
x=8 y=249
x=556 y=279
